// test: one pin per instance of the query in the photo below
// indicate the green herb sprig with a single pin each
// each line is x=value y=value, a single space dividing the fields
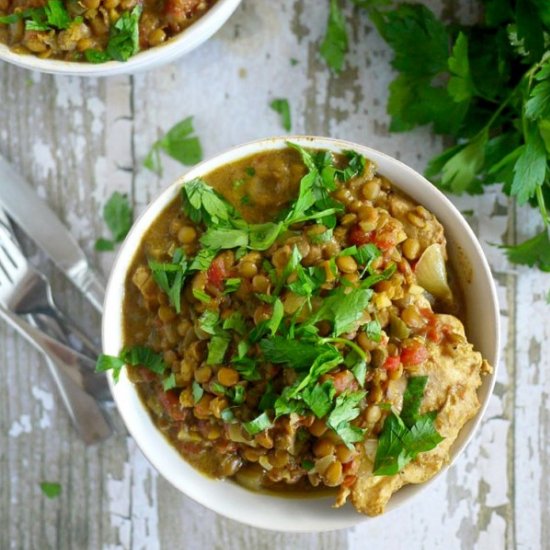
x=178 y=143
x=118 y=216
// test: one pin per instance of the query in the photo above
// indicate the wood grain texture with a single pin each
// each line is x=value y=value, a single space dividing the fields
x=79 y=140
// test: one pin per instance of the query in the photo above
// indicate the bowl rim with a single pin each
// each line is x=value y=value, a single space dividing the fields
x=182 y=43
x=343 y=517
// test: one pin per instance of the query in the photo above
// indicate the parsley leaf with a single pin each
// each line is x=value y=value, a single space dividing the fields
x=538 y=104
x=217 y=346
x=235 y=322
x=109 y=362
x=276 y=317
x=460 y=86
x=345 y=410
x=259 y=424
x=178 y=143
x=419 y=40
x=171 y=277
x=197 y=390
x=343 y=309
x=208 y=321
x=403 y=437
x=531 y=166
x=50 y=489
x=135 y=356
x=124 y=35
x=373 y=330
x=535 y=251
x=412 y=398
x=295 y=353
x=169 y=382
x=118 y=216
x=282 y=107
x=232 y=284
x=335 y=43
x=319 y=398
x=202 y=204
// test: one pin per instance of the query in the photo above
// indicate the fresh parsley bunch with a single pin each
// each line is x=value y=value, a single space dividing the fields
x=486 y=85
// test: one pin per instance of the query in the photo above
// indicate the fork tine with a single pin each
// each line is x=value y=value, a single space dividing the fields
x=12 y=261
x=12 y=250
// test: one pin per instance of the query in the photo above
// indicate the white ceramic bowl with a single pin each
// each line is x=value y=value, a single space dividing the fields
x=184 y=42
x=226 y=497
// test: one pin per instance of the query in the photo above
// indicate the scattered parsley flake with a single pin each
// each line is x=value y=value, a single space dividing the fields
x=282 y=107
x=118 y=216
x=50 y=489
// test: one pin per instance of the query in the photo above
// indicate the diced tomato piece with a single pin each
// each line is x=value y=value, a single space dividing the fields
x=171 y=403
x=392 y=363
x=359 y=237
x=343 y=380
x=385 y=242
x=349 y=481
x=414 y=353
x=146 y=375
x=217 y=272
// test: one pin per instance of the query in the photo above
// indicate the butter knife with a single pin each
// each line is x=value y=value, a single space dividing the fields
x=39 y=222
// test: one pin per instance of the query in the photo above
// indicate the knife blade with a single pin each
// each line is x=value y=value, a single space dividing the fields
x=38 y=221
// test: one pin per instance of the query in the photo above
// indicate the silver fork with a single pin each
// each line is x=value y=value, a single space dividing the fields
x=32 y=295
x=72 y=372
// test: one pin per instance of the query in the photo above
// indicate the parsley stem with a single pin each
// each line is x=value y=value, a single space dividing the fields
x=542 y=206
x=349 y=343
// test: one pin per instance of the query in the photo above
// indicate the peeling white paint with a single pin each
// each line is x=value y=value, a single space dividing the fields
x=21 y=426
x=97 y=108
x=46 y=401
x=43 y=158
x=133 y=503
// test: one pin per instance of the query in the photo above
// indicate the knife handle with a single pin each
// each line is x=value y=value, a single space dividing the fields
x=84 y=411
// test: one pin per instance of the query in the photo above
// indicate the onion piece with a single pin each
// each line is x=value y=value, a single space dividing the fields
x=431 y=273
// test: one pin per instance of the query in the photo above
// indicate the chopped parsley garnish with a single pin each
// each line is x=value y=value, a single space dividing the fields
x=135 y=356
x=123 y=39
x=178 y=143
x=259 y=424
x=50 y=489
x=281 y=339
x=118 y=216
x=217 y=346
x=169 y=382
x=197 y=390
x=232 y=284
x=282 y=107
x=201 y=296
x=373 y=330
x=346 y=410
x=171 y=276
x=53 y=15
x=404 y=437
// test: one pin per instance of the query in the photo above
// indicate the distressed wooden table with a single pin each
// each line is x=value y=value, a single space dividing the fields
x=79 y=140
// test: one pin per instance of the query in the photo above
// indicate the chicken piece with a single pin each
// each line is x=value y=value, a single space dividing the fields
x=454 y=373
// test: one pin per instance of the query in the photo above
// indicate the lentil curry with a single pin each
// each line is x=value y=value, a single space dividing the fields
x=287 y=323
x=94 y=30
